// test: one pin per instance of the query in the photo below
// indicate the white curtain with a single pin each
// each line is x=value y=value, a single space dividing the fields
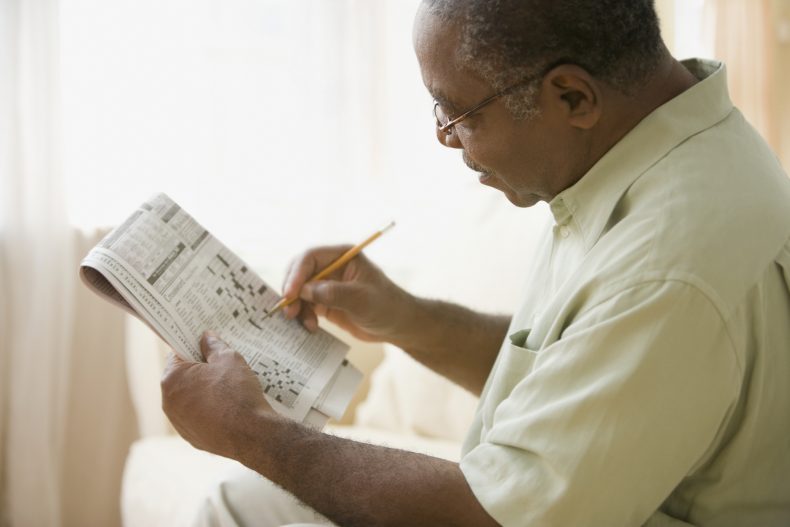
x=37 y=289
x=65 y=419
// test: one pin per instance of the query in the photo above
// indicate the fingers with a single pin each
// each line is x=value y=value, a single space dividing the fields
x=290 y=311
x=171 y=365
x=172 y=372
x=308 y=265
x=345 y=296
x=174 y=363
x=310 y=320
x=348 y=290
x=300 y=271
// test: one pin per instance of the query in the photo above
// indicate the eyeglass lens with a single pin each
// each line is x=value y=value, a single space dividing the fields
x=440 y=115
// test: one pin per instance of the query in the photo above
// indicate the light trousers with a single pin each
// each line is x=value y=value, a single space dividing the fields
x=244 y=498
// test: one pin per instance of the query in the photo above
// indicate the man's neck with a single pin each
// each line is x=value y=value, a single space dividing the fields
x=624 y=112
x=670 y=80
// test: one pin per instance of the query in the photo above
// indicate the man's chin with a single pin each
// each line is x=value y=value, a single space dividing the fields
x=521 y=201
x=490 y=180
x=524 y=196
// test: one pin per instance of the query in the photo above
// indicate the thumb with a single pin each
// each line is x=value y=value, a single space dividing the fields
x=211 y=345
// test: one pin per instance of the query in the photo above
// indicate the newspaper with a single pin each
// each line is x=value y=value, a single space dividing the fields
x=163 y=267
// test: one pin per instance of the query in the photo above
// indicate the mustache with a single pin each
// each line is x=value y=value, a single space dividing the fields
x=468 y=161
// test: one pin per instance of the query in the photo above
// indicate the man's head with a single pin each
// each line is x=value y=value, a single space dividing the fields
x=558 y=63
x=508 y=41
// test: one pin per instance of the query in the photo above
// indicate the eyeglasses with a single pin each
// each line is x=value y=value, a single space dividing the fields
x=445 y=124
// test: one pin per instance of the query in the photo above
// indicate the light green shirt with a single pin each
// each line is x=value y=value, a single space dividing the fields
x=646 y=379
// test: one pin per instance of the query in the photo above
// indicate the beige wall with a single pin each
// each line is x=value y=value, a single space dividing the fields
x=741 y=45
x=782 y=68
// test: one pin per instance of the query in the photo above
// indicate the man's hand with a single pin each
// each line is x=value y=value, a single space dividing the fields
x=358 y=297
x=212 y=403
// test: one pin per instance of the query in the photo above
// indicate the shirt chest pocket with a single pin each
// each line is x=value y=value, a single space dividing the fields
x=515 y=363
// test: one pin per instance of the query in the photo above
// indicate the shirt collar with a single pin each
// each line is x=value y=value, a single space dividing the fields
x=590 y=201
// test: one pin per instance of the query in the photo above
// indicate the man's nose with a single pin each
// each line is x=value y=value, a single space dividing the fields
x=450 y=140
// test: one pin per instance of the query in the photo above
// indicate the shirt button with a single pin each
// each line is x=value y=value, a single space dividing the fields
x=565 y=231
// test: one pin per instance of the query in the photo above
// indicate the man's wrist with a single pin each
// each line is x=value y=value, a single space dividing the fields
x=258 y=434
x=265 y=441
x=413 y=333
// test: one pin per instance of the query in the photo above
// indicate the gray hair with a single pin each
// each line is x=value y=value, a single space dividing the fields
x=516 y=42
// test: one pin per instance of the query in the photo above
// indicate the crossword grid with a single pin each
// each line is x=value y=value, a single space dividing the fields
x=237 y=285
x=278 y=382
x=240 y=295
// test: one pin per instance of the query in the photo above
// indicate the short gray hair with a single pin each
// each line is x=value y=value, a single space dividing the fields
x=515 y=41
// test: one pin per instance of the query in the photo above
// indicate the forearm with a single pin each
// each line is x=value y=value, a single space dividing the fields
x=359 y=484
x=454 y=341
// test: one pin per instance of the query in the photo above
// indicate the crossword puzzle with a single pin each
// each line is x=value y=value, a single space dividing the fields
x=244 y=298
x=281 y=384
x=237 y=285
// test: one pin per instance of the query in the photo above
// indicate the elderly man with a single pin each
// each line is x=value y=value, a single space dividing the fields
x=645 y=378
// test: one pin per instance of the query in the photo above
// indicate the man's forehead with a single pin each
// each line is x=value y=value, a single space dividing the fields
x=435 y=38
x=436 y=42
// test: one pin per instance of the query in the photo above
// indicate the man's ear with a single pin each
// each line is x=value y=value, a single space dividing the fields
x=575 y=94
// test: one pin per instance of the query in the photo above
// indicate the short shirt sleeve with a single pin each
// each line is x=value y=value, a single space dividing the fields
x=601 y=425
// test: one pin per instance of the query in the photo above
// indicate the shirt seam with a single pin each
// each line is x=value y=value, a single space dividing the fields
x=689 y=281
x=594 y=237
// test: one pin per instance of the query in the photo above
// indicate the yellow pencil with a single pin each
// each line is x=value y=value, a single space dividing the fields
x=331 y=268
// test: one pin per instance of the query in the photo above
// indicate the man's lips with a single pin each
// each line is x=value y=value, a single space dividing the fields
x=474 y=166
x=484 y=174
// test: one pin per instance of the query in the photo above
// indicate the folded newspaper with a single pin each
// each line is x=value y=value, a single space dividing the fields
x=161 y=266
